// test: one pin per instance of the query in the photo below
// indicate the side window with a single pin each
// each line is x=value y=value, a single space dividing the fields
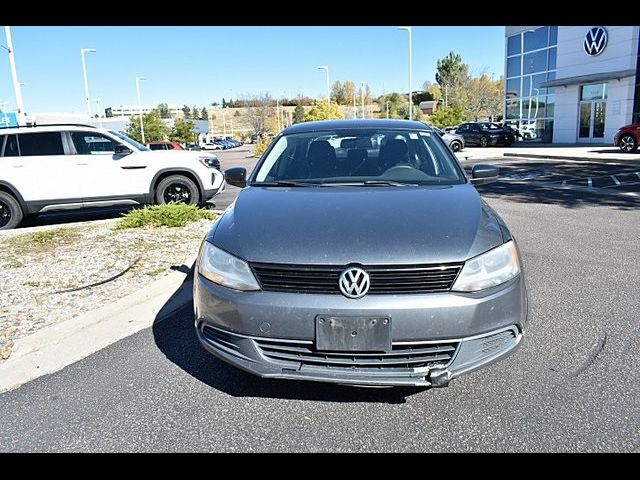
x=169 y=146
x=11 y=146
x=464 y=128
x=45 y=143
x=92 y=143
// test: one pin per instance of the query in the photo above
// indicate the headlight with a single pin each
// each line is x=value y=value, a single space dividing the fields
x=489 y=269
x=210 y=162
x=225 y=269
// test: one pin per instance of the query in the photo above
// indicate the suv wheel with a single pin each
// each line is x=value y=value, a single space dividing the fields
x=628 y=143
x=484 y=141
x=10 y=211
x=177 y=189
x=456 y=146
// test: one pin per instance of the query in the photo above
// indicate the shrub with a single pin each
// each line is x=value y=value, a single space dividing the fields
x=260 y=148
x=169 y=215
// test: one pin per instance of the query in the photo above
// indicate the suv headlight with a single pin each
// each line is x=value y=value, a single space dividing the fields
x=224 y=269
x=489 y=269
x=210 y=162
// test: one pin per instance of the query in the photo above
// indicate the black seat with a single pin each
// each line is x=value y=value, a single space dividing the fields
x=392 y=153
x=321 y=159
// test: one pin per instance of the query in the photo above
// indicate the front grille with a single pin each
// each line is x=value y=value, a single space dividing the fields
x=401 y=357
x=387 y=279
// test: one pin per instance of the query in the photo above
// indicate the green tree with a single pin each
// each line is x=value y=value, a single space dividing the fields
x=323 y=111
x=163 y=110
x=298 y=114
x=447 y=116
x=421 y=97
x=337 y=93
x=187 y=111
x=237 y=113
x=204 y=115
x=215 y=104
x=183 y=131
x=451 y=74
x=154 y=128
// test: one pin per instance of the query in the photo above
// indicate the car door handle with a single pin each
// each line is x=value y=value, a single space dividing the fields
x=133 y=167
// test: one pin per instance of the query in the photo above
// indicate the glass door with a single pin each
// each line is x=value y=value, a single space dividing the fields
x=592 y=112
x=584 y=129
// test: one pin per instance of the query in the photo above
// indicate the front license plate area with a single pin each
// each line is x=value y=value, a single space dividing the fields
x=353 y=334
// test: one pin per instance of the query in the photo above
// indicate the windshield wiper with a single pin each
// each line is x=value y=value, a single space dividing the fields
x=284 y=183
x=380 y=183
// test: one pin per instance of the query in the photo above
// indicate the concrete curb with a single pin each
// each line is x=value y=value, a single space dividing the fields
x=57 y=346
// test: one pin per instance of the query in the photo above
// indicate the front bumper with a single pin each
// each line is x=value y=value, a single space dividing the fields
x=435 y=337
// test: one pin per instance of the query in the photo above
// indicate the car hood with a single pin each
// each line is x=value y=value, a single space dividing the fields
x=367 y=225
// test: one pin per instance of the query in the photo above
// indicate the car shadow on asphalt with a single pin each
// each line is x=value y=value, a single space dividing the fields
x=174 y=334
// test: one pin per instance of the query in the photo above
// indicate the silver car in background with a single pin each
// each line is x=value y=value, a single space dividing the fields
x=454 y=140
x=359 y=252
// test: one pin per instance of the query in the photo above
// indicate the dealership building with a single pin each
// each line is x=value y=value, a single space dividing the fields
x=571 y=84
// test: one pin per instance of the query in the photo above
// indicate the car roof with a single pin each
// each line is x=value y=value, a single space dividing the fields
x=355 y=124
x=58 y=127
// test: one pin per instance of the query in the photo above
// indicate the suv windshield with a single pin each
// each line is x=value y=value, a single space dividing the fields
x=130 y=141
x=359 y=156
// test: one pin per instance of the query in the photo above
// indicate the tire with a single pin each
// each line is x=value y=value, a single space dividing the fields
x=628 y=143
x=456 y=146
x=10 y=212
x=178 y=189
x=484 y=141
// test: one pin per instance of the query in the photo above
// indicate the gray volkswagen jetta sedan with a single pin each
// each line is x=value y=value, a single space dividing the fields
x=359 y=252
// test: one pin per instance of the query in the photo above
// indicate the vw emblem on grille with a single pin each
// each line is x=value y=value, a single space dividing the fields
x=354 y=282
x=595 y=41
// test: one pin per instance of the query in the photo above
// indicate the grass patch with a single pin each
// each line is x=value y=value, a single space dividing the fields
x=14 y=263
x=41 y=242
x=169 y=215
x=155 y=272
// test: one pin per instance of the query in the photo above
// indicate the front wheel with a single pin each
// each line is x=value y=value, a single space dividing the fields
x=10 y=212
x=628 y=143
x=484 y=141
x=177 y=189
x=456 y=146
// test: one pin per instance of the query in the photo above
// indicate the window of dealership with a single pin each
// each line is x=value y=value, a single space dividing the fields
x=571 y=84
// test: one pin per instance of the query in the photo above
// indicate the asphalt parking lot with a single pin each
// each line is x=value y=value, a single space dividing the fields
x=574 y=384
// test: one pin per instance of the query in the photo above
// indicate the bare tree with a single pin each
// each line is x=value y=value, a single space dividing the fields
x=259 y=108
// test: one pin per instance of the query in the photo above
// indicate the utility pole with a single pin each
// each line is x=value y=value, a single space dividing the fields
x=355 y=109
x=14 y=74
x=362 y=98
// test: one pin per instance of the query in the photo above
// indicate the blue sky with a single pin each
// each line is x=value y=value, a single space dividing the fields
x=199 y=65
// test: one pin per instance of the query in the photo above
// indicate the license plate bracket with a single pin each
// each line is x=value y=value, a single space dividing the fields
x=353 y=334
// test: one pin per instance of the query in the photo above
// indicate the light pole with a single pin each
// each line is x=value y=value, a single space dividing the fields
x=14 y=73
x=278 y=113
x=140 y=106
x=83 y=51
x=408 y=29
x=326 y=69
x=98 y=100
x=355 y=108
x=362 y=98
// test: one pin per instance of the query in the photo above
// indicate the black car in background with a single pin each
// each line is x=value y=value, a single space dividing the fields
x=486 y=134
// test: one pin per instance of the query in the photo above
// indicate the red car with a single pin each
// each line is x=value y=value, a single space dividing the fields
x=628 y=137
x=165 y=145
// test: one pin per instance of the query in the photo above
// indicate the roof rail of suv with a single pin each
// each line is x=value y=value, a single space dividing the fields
x=57 y=125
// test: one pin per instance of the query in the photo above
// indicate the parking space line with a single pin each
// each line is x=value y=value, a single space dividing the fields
x=616 y=181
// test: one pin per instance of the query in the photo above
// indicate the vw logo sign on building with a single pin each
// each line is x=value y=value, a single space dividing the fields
x=595 y=41
x=354 y=282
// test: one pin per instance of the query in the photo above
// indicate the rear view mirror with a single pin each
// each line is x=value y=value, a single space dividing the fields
x=484 y=173
x=122 y=150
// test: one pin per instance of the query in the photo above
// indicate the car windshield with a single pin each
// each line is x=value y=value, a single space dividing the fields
x=130 y=141
x=359 y=157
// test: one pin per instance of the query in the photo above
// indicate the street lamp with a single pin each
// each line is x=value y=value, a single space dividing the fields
x=326 y=69
x=83 y=51
x=408 y=29
x=14 y=74
x=362 y=98
x=140 y=106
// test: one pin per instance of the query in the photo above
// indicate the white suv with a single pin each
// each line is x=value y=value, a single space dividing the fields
x=63 y=167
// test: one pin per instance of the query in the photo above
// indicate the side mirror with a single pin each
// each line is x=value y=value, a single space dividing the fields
x=122 y=149
x=236 y=176
x=484 y=173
